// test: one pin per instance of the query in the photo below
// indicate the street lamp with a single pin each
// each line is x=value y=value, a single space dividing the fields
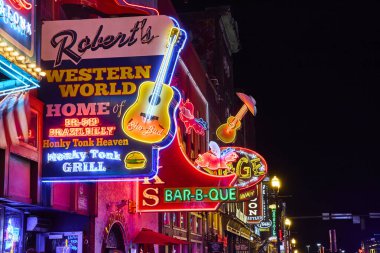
x=275 y=183
x=287 y=224
x=293 y=241
x=319 y=247
x=308 y=247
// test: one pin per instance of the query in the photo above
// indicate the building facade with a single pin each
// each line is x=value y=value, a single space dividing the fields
x=102 y=216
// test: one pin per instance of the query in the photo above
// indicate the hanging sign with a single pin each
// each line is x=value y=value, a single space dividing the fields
x=186 y=115
x=266 y=223
x=249 y=166
x=17 y=24
x=107 y=96
x=182 y=186
x=227 y=131
x=254 y=207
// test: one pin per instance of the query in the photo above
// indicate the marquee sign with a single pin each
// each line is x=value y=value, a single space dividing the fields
x=249 y=166
x=17 y=24
x=107 y=96
x=266 y=222
x=182 y=186
x=254 y=207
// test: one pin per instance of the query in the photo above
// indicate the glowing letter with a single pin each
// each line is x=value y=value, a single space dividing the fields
x=152 y=197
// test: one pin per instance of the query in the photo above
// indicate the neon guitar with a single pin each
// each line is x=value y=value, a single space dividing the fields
x=227 y=131
x=148 y=119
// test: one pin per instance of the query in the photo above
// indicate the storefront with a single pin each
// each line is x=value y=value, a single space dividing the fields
x=11 y=229
x=26 y=226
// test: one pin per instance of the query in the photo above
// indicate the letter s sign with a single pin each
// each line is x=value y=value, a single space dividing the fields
x=152 y=197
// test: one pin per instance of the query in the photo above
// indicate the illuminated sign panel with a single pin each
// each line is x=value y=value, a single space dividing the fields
x=94 y=71
x=182 y=186
x=205 y=194
x=227 y=131
x=254 y=206
x=249 y=166
x=17 y=24
x=186 y=115
x=266 y=223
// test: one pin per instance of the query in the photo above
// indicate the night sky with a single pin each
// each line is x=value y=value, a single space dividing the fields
x=314 y=69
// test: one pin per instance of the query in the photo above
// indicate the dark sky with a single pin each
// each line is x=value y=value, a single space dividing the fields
x=314 y=69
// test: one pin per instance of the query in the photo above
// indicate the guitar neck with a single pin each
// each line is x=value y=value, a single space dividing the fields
x=166 y=61
x=243 y=110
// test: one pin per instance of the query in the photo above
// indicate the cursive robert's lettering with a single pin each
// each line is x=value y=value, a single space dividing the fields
x=66 y=40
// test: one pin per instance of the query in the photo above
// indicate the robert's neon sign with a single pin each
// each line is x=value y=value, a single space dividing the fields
x=14 y=19
x=66 y=40
x=84 y=104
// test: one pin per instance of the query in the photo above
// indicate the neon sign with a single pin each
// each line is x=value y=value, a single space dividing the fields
x=227 y=131
x=205 y=194
x=175 y=191
x=148 y=119
x=186 y=115
x=21 y=4
x=15 y=19
x=215 y=159
x=17 y=24
x=254 y=206
x=250 y=167
x=91 y=161
x=274 y=221
x=85 y=104
x=266 y=223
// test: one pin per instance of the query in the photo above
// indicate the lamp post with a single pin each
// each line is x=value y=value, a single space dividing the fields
x=319 y=247
x=308 y=248
x=287 y=224
x=275 y=183
x=293 y=242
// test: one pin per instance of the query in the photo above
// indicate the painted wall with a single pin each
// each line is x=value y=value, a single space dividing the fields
x=109 y=193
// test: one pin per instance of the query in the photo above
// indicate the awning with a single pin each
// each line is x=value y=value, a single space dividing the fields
x=148 y=236
x=14 y=79
x=245 y=233
x=233 y=227
x=14 y=110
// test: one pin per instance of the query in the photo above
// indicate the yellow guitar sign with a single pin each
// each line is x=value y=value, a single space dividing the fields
x=148 y=119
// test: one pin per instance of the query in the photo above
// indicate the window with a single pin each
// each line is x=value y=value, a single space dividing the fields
x=32 y=131
x=183 y=220
x=176 y=219
x=192 y=223
x=196 y=247
x=12 y=233
x=167 y=219
x=198 y=225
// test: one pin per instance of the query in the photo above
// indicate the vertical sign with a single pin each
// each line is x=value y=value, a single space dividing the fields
x=254 y=207
x=266 y=223
x=274 y=221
